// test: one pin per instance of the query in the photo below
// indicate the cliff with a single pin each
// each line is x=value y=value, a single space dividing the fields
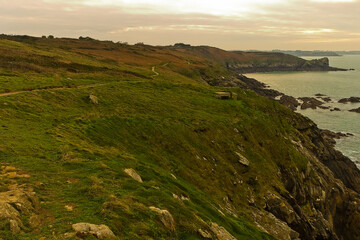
x=249 y=62
x=281 y=66
x=300 y=53
x=108 y=140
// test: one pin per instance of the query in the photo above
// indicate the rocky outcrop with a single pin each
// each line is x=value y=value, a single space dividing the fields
x=350 y=99
x=289 y=102
x=205 y=234
x=280 y=66
x=93 y=99
x=310 y=102
x=243 y=160
x=319 y=201
x=18 y=202
x=165 y=217
x=272 y=225
x=318 y=185
x=220 y=232
x=357 y=110
x=133 y=174
x=325 y=99
x=83 y=230
x=330 y=136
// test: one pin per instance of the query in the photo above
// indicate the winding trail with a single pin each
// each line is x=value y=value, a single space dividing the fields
x=153 y=70
x=52 y=88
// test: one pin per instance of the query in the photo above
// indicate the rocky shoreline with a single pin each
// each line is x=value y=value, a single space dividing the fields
x=335 y=197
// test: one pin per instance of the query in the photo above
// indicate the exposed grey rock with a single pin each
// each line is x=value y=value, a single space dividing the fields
x=204 y=234
x=165 y=217
x=289 y=102
x=243 y=160
x=132 y=173
x=350 y=99
x=69 y=235
x=220 y=232
x=8 y=212
x=357 y=110
x=268 y=223
x=326 y=99
x=16 y=204
x=87 y=229
x=280 y=208
x=93 y=99
x=310 y=102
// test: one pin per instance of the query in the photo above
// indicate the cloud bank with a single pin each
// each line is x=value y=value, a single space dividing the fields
x=229 y=24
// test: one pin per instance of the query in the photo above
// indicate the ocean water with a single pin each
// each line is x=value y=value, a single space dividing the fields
x=336 y=85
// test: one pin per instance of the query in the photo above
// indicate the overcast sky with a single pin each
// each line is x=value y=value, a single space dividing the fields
x=228 y=24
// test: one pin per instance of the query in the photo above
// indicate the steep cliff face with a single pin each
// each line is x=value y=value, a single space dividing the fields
x=328 y=186
x=320 y=200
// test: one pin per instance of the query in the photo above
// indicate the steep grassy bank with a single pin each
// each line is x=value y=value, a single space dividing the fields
x=187 y=146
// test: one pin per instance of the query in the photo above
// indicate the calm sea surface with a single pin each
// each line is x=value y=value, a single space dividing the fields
x=336 y=85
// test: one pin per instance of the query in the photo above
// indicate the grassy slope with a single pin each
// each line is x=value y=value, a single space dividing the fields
x=158 y=126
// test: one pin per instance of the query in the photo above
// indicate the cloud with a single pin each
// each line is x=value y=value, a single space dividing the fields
x=335 y=1
x=227 y=24
x=224 y=7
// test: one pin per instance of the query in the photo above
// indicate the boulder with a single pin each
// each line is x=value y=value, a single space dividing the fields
x=280 y=208
x=357 y=110
x=289 y=102
x=165 y=217
x=243 y=160
x=326 y=99
x=93 y=99
x=87 y=229
x=268 y=223
x=220 y=232
x=132 y=173
x=310 y=102
x=350 y=99
x=8 y=212
x=15 y=205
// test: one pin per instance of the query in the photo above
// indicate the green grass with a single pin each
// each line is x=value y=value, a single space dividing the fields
x=171 y=124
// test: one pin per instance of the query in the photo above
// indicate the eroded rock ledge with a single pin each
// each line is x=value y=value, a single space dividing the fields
x=18 y=202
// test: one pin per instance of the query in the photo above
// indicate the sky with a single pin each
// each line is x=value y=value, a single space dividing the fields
x=227 y=24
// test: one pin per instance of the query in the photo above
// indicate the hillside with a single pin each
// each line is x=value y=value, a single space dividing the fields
x=132 y=137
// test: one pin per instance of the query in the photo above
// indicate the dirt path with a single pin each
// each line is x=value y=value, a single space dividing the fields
x=156 y=73
x=52 y=88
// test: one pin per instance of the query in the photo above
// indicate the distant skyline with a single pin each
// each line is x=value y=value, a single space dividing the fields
x=227 y=24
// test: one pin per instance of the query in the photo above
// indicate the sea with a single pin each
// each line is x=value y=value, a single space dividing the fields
x=336 y=85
